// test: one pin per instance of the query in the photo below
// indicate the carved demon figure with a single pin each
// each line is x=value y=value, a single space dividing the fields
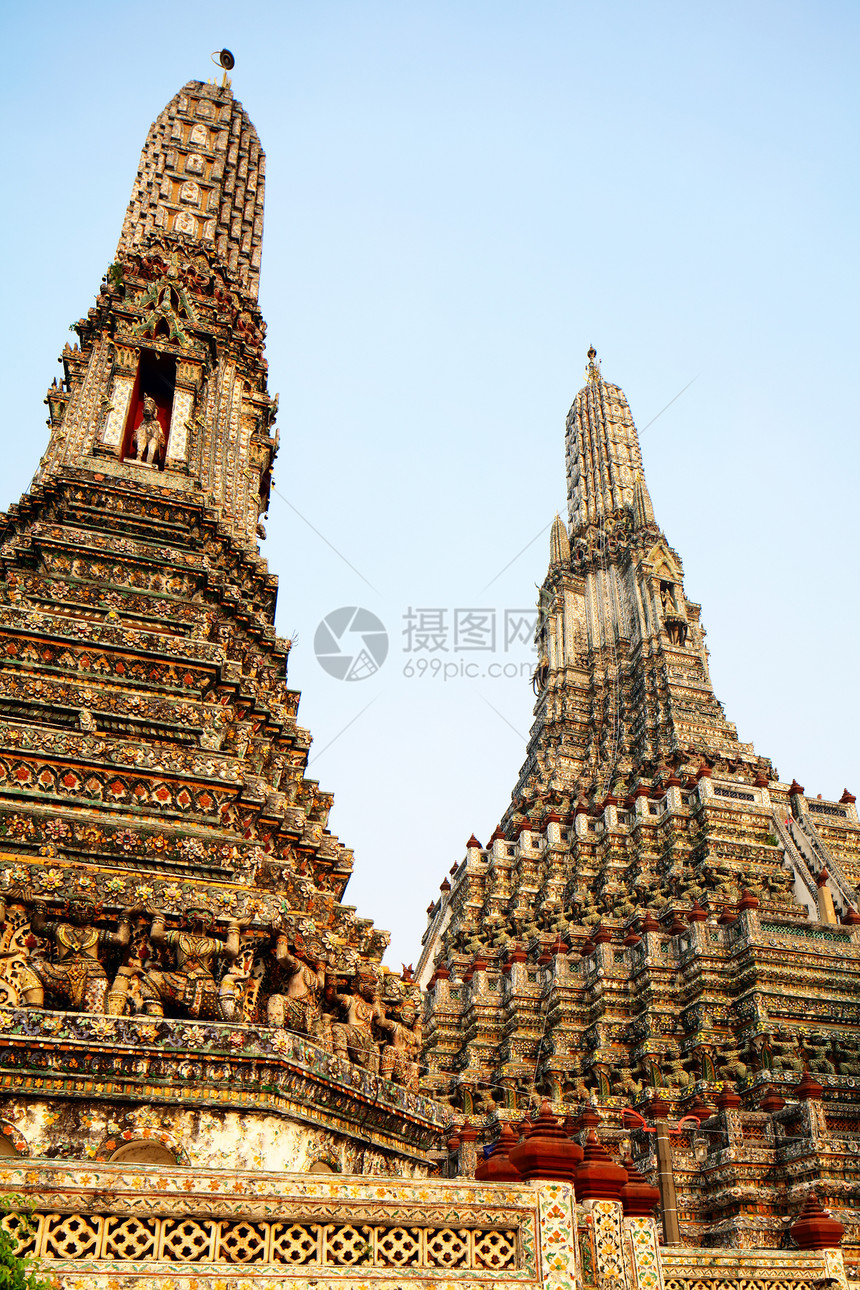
x=76 y=977
x=191 y=986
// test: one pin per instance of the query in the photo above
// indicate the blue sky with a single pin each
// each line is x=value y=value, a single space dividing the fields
x=461 y=198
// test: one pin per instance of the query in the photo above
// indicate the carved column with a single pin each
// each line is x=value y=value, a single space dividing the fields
x=125 y=375
x=187 y=383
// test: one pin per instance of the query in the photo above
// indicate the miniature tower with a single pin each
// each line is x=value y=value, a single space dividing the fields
x=180 y=978
x=644 y=915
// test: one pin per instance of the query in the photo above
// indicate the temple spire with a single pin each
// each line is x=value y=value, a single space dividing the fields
x=614 y=596
x=168 y=381
x=559 y=543
x=643 y=511
x=603 y=453
x=201 y=178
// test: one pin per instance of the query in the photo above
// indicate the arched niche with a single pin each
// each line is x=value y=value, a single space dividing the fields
x=144 y=1151
x=322 y=1167
x=13 y=1144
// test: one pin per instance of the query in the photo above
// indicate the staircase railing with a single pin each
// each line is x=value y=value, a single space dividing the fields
x=827 y=860
x=795 y=857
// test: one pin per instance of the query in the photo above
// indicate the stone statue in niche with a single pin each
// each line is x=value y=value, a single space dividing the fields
x=76 y=977
x=185 y=222
x=400 y=1055
x=149 y=436
x=191 y=986
x=298 y=1007
x=677 y=629
x=352 y=1039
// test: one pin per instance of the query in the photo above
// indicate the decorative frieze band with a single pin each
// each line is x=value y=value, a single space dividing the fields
x=88 y=1237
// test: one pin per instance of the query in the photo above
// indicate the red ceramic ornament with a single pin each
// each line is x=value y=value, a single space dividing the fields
x=728 y=1098
x=497 y=1167
x=771 y=1102
x=638 y=1197
x=657 y=1108
x=808 y=1090
x=814 y=1229
x=598 y=1177
x=546 y=1151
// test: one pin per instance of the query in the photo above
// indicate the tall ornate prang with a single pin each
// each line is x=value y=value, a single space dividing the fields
x=657 y=910
x=626 y=683
x=169 y=373
x=175 y=955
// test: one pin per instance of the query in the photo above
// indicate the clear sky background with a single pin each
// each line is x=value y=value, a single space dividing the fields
x=461 y=197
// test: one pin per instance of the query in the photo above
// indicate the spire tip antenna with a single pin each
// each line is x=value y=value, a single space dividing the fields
x=224 y=58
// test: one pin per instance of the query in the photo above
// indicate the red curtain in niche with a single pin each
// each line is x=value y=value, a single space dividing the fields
x=156 y=376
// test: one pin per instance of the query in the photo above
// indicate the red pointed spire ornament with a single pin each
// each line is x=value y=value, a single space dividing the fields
x=814 y=1228
x=598 y=1177
x=728 y=1098
x=771 y=1102
x=546 y=1151
x=638 y=1197
x=497 y=1166
x=808 y=1090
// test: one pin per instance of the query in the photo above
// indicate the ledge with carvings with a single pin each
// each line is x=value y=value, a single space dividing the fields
x=267 y=1070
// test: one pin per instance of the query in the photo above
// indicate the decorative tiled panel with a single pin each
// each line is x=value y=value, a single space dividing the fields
x=147 y=1226
x=285 y=1244
x=183 y=405
x=122 y=388
x=720 y=1269
x=611 y=1269
x=642 y=1236
x=559 y=1254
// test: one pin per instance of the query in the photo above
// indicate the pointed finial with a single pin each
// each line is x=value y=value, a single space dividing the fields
x=592 y=372
x=559 y=543
x=643 y=511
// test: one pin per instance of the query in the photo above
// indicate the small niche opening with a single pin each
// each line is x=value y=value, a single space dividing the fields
x=151 y=402
x=144 y=1151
